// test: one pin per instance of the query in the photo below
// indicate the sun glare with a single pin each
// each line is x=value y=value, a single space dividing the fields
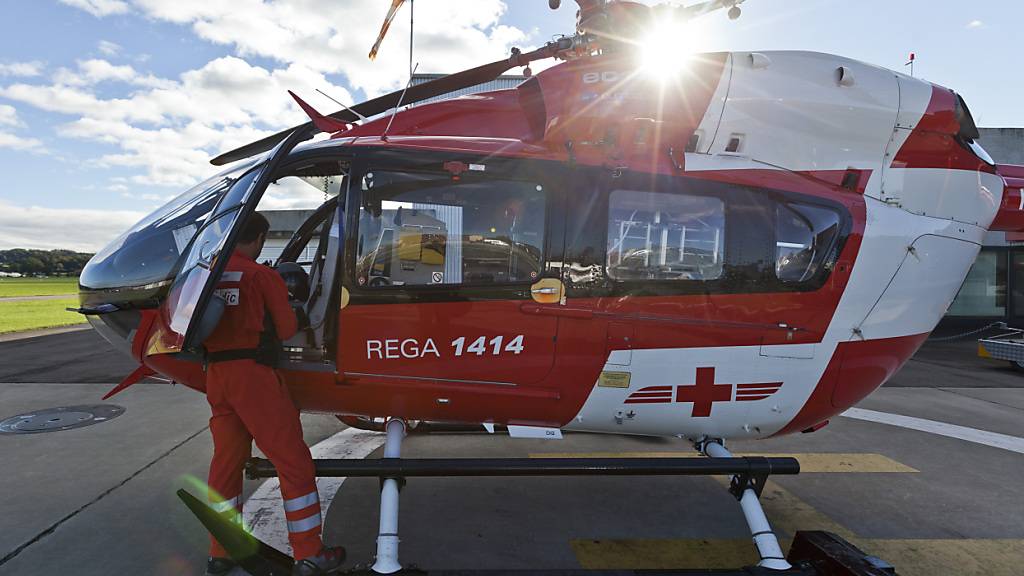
x=668 y=49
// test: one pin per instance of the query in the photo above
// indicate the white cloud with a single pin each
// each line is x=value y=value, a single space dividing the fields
x=9 y=120
x=95 y=71
x=9 y=116
x=50 y=228
x=335 y=37
x=166 y=129
x=108 y=48
x=74 y=100
x=171 y=131
x=22 y=69
x=99 y=8
x=19 y=143
x=975 y=24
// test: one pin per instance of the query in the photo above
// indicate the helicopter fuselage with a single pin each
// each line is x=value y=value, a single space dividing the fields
x=744 y=248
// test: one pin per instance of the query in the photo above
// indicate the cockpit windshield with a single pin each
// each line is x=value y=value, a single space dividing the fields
x=147 y=253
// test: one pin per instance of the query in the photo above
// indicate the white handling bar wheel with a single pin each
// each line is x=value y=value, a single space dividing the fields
x=767 y=544
x=387 y=535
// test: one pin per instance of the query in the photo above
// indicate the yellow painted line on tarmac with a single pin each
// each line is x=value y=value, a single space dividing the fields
x=826 y=462
x=662 y=554
x=966 y=557
x=787 y=514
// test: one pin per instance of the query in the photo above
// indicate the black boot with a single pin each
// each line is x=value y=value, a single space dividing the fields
x=326 y=562
x=219 y=566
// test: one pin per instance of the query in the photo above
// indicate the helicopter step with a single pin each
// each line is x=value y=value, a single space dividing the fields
x=813 y=553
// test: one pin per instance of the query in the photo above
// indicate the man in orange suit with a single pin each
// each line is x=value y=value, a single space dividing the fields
x=250 y=402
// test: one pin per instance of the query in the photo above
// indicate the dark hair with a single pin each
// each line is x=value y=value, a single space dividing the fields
x=254 y=227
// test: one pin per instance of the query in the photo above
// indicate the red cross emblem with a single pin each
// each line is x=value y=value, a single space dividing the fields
x=704 y=393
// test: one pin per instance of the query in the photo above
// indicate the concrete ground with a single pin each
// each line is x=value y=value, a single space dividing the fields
x=100 y=499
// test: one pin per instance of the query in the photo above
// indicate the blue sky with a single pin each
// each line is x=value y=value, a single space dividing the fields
x=108 y=107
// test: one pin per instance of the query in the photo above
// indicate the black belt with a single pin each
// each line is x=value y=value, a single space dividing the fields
x=229 y=355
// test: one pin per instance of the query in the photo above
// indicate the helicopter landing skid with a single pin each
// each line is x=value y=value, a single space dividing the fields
x=812 y=553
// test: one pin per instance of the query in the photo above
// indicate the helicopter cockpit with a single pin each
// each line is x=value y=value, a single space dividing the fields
x=136 y=271
x=309 y=260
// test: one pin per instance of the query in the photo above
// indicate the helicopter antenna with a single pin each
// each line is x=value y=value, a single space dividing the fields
x=412 y=10
x=384 y=135
x=361 y=117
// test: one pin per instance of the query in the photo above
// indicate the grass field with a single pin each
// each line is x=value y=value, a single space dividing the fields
x=37 y=286
x=30 y=315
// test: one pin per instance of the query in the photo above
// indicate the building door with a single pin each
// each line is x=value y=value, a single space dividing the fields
x=1015 y=288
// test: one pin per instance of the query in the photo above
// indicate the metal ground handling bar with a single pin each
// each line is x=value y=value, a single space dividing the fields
x=753 y=466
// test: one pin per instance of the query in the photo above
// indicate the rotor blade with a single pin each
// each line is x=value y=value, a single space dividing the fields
x=395 y=5
x=417 y=93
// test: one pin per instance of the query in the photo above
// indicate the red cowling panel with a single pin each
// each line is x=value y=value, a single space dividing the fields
x=1010 y=217
x=867 y=364
x=614 y=114
x=933 y=142
x=190 y=374
x=857 y=369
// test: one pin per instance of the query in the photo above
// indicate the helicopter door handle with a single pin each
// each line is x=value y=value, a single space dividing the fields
x=548 y=291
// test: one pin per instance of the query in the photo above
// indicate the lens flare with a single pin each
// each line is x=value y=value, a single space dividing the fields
x=669 y=48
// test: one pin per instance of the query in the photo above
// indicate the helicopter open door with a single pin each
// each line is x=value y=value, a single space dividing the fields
x=193 y=287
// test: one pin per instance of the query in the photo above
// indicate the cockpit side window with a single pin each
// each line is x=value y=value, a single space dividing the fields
x=805 y=236
x=148 y=252
x=690 y=237
x=655 y=236
x=428 y=229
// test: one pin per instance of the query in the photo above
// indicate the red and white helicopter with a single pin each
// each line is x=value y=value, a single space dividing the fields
x=731 y=245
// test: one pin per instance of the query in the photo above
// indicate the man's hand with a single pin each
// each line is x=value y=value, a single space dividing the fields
x=300 y=315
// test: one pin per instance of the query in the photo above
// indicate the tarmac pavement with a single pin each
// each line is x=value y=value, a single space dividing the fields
x=100 y=499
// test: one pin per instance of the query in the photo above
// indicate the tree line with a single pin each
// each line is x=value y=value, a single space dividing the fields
x=47 y=262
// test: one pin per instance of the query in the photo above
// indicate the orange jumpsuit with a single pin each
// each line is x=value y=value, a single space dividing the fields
x=249 y=402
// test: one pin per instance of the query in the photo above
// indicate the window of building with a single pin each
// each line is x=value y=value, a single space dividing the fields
x=983 y=292
x=657 y=236
x=422 y=229
x=804 y=238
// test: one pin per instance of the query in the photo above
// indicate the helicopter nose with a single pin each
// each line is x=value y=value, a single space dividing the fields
x=110 y=295
x=117 y=327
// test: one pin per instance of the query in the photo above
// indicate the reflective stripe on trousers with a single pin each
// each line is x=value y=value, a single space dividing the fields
x=296 y=504
x=305 y=524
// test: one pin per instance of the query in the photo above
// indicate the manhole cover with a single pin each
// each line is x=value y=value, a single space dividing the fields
x=58 y=419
